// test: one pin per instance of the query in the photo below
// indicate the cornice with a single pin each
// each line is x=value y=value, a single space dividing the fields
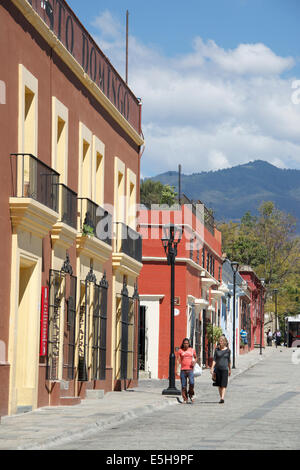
x=36 y=21
x=32 y=216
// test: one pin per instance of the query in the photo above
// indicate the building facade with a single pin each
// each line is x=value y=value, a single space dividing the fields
x=256 y=292
x=70 y=254
x=197 y=280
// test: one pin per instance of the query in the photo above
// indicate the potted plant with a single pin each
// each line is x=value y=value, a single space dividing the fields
x=213 y=335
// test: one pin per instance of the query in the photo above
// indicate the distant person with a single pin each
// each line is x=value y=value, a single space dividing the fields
x=221 y=366
x=269 y=337
x=277 y=338
x=243 y=335
x=187 y=359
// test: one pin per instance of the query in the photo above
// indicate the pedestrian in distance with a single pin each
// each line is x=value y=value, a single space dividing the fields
x=269 y=337
x=277 y=338
x=221 y=366
x=187 y=359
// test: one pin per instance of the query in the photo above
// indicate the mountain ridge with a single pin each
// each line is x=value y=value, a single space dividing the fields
x=231 y=192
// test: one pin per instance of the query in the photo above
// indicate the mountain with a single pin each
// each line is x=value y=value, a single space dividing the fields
x=233 y=191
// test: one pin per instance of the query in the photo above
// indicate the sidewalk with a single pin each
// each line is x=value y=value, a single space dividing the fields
x=51 y=426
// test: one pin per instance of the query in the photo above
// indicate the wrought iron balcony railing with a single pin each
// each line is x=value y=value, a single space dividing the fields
x=95 y=221
x=68 y=205
x=129 y=241
x=33 y=179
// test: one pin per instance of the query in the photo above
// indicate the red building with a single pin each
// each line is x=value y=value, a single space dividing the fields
x=197 y=282
x=256 y=292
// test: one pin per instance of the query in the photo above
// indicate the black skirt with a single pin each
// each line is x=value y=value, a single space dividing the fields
x=221 y=378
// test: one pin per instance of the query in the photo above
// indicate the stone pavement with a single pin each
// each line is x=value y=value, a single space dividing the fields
x=50 y=427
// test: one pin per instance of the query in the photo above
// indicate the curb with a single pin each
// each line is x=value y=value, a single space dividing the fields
x=100 y=425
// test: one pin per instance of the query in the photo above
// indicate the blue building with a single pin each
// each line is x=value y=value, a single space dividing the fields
x=226 y=322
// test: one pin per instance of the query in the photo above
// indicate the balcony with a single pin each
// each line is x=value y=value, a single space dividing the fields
x=129 y=241
x=65 y=230
x=68 y=206
x=94 y=228
x=34 y=203
x=127 y=256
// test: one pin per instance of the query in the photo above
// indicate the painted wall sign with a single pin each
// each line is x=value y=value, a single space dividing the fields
x=44 y=321
x=65 y=25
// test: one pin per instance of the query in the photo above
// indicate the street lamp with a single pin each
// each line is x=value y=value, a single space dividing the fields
x=261 y=313
x=171 y=237
x=234 y=267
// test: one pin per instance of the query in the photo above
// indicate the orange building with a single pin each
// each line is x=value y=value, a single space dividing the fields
x=69 y=184
x=198 y=272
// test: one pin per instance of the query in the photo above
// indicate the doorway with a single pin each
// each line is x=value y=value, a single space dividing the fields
x=142 y=338
x=27 y=337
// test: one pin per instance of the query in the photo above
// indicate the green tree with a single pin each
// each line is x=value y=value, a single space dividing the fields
x=269 y=245
x=154 y=192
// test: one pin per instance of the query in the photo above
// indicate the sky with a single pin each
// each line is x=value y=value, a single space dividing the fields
x=219 y=79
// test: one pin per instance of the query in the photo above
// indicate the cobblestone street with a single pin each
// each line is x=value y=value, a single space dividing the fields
x=261 y=411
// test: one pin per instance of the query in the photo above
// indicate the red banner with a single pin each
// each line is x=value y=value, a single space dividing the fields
x=44 y=321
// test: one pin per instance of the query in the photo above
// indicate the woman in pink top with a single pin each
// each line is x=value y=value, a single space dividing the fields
x=187 y=359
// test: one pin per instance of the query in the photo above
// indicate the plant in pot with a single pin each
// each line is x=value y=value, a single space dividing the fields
x=88 y=227
x=213 y=335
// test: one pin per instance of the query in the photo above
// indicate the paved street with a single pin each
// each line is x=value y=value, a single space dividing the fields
x=261 y=411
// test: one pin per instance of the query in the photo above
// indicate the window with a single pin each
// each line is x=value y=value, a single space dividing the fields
x=126 y=343
x=28 y=112
x=98 y=181
x=60 y=118
x=85 y=162
x=131 y=199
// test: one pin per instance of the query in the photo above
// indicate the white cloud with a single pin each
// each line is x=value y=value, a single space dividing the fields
x=211 y=108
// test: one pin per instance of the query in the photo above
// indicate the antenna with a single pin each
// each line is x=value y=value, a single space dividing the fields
x=179 y=184
x=127 y=15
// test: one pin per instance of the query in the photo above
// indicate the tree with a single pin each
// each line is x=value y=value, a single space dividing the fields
x=269 y=245
x=154 y=192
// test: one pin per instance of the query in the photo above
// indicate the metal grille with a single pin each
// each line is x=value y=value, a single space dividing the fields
x=68 y=206
x=55 y=298
x=192 y=320
x=142 y=337
x=99 y=330
x=198 y=338
x=83 y=332
x=71 y=326
x=127 y=344
x=204 y=355
x=34 y=179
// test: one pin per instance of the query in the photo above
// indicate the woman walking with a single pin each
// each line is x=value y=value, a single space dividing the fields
x=187 y=359
x=221 y=366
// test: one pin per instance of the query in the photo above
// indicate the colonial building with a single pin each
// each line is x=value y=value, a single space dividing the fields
x=256 y=293
x=198 y=273
x=70 y=255
x=242 y=308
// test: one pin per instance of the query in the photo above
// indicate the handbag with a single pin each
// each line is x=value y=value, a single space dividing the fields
x=197 y=370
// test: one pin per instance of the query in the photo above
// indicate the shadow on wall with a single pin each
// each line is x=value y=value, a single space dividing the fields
x=2 y=92
x=2 y=352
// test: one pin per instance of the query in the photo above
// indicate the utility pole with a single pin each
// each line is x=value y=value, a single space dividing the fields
x=127 y=15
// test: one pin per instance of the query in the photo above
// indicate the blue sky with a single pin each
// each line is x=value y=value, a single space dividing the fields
x=238 y=57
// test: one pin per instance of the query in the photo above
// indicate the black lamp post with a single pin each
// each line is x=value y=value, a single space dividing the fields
x=171 y=237
x=234 y=267
x=261 y=314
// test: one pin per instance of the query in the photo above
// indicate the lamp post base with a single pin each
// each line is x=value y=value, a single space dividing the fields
x=171 y=391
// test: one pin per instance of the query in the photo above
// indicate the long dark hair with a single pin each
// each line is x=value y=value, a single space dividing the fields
x=185 y=339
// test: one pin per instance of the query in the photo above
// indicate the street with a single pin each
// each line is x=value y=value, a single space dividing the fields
x=261 y=411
